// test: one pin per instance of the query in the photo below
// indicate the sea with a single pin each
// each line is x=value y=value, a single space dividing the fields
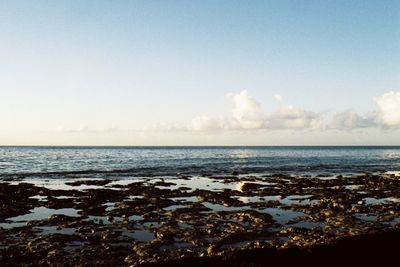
x=138 y=161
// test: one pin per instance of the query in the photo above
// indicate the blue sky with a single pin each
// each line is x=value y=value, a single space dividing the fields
x=105 y=72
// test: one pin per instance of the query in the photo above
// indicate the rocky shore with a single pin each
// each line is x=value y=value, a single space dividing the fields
x=229 y=220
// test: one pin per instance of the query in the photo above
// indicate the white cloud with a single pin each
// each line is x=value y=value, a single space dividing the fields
x=87 y=129
x=247 y=112
x=164 y=127
x=205 y=123
x=349 y=120
x=389 y=109
x=289 y=117
x=278 y=98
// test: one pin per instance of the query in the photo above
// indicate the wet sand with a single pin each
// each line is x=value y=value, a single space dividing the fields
x=229 y=220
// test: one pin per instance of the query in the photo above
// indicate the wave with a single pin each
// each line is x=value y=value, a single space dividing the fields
x=210 y=169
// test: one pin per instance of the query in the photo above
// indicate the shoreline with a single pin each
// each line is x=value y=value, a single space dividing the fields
x=221 y=219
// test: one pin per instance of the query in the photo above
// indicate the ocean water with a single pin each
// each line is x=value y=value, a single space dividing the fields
x=157 y=161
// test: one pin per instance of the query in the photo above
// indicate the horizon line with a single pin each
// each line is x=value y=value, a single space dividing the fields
x=194 y=146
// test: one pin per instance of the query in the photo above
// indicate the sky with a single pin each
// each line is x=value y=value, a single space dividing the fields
x=200 y=72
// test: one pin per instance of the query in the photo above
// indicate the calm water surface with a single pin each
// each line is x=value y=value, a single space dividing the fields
x=142 y=161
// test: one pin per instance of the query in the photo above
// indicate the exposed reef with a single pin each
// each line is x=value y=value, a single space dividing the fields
x=230 y=220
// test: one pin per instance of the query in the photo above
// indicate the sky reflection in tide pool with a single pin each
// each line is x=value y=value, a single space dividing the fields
x=282 y=216
x=59 y=184
x=140 y=235
x=38 y=213
x=41 y=213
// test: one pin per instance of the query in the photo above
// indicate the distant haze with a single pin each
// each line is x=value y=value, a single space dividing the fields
x=200 y=72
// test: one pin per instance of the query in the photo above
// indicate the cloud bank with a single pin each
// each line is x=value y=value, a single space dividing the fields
x=247 y=114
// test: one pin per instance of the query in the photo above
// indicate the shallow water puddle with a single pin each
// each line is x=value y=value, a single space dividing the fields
x=366 y=217
x=352 y=187
x=40 y=198
x=64 y=197
x=41 y=213
x=174 y=207
x=9 y=225
x=282 y=216
x=219 y=207
x=255 y=199
x=135 y=218
x=202 y=183
x=134 y=197
x=38 y=213
x=45 y=230
x=298 y=200
x=185 y=199
x=372 y=200
x=125 y=182
x=140 y=235
x=59 y=184
x=110 y=206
